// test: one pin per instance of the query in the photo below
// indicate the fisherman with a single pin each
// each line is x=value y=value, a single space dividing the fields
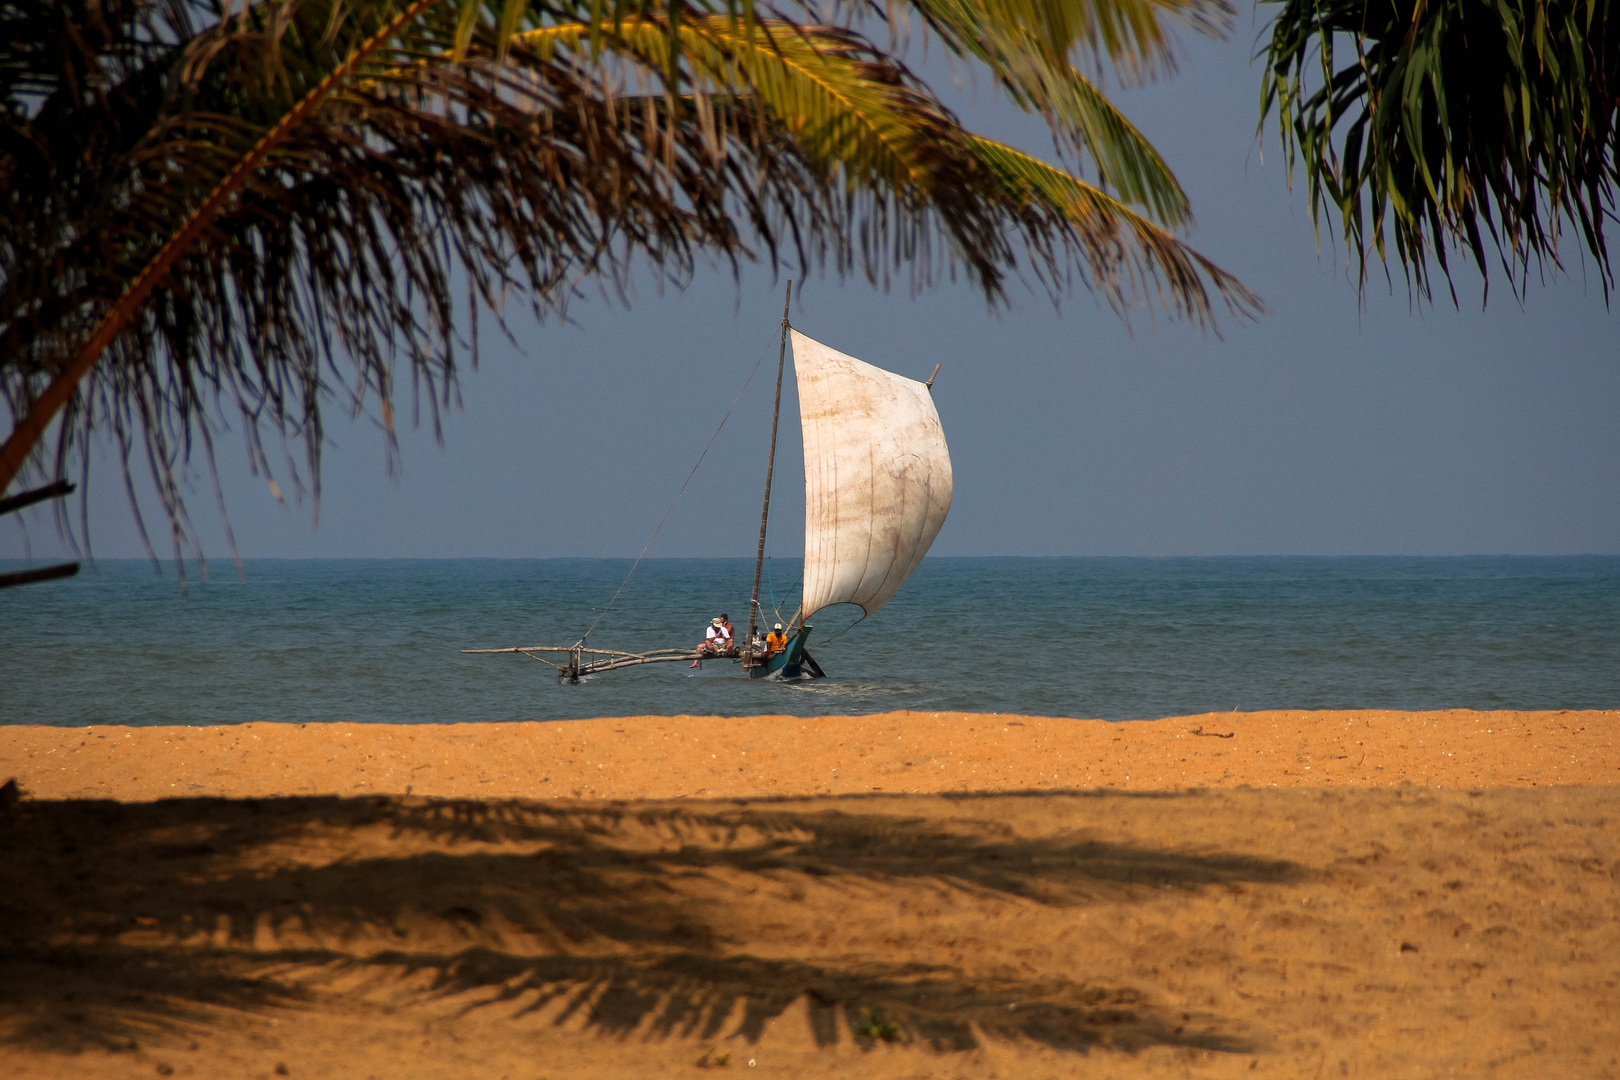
x=716 y=639
x=775 y=641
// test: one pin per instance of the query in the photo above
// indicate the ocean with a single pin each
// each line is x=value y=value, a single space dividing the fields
x=1115 y=638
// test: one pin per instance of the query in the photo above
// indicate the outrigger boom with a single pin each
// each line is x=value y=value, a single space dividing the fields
x=612 y=659
x=793 y=658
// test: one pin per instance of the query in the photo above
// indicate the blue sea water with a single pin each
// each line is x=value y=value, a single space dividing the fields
x=1117 y=638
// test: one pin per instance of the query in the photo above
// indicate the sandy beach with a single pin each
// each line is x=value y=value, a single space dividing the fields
x=906 y=895
x=672 y=757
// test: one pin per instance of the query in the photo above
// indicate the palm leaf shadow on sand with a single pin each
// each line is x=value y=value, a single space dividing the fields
x=154 y=919
x=691 y=996
x=112 y=997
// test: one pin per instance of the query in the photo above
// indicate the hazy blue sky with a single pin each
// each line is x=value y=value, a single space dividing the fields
x=1323 y=428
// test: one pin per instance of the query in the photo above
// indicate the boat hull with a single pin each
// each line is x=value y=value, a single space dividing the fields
x=791 y=663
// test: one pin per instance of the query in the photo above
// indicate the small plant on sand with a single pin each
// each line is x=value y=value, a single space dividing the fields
x=875 y=1027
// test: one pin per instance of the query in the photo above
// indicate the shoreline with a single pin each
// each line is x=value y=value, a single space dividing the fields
x=706 y=757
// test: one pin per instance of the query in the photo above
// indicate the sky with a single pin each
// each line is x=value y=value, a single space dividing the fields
x=1331 y=425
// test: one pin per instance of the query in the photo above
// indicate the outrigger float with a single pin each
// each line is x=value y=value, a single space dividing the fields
x=877 y=487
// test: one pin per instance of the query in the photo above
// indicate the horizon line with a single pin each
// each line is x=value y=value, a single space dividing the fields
x=746 y=558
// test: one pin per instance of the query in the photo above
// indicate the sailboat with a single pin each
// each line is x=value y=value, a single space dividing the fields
x=877 y=487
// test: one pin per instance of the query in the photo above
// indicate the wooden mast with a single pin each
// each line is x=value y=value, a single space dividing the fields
x=770 y=467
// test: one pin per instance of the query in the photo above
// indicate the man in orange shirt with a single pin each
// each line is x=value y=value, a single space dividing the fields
x=775 y=641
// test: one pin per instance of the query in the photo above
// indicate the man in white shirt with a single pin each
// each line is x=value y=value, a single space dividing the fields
x=716 y=639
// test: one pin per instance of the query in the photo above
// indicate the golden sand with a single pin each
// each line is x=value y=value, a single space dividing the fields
x=1361 y=894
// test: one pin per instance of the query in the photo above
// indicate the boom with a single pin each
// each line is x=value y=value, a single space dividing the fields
x=611 y=659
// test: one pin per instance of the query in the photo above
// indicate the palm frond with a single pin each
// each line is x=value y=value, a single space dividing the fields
x=1443 y=124
x=537 y=149
x=843 y=100
x=1128 y=255
x=851 y=108
x=1092 y=124
x=1131 y=36
x=44 y=408
x=1032 y=47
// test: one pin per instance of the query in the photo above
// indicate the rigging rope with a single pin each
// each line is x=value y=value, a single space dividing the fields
x=834 y=637
x=771 y=584
x=770 y=587
x=671 y=509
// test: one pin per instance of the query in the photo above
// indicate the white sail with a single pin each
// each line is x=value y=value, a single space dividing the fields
x=877 y=477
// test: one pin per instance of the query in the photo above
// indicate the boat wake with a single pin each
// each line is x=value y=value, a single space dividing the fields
x=823 y=686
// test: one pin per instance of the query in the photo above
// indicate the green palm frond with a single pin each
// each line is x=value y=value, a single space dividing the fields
x=1126 y=253
x=1443 y=124
x=515 y=148
x=844 y=102
x=1131 y=36
x=888 y=130
x=1032 y=47
x=1124 y=158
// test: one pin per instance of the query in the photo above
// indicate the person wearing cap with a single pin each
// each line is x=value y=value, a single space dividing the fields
x=716 y=639
x=775 y=641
